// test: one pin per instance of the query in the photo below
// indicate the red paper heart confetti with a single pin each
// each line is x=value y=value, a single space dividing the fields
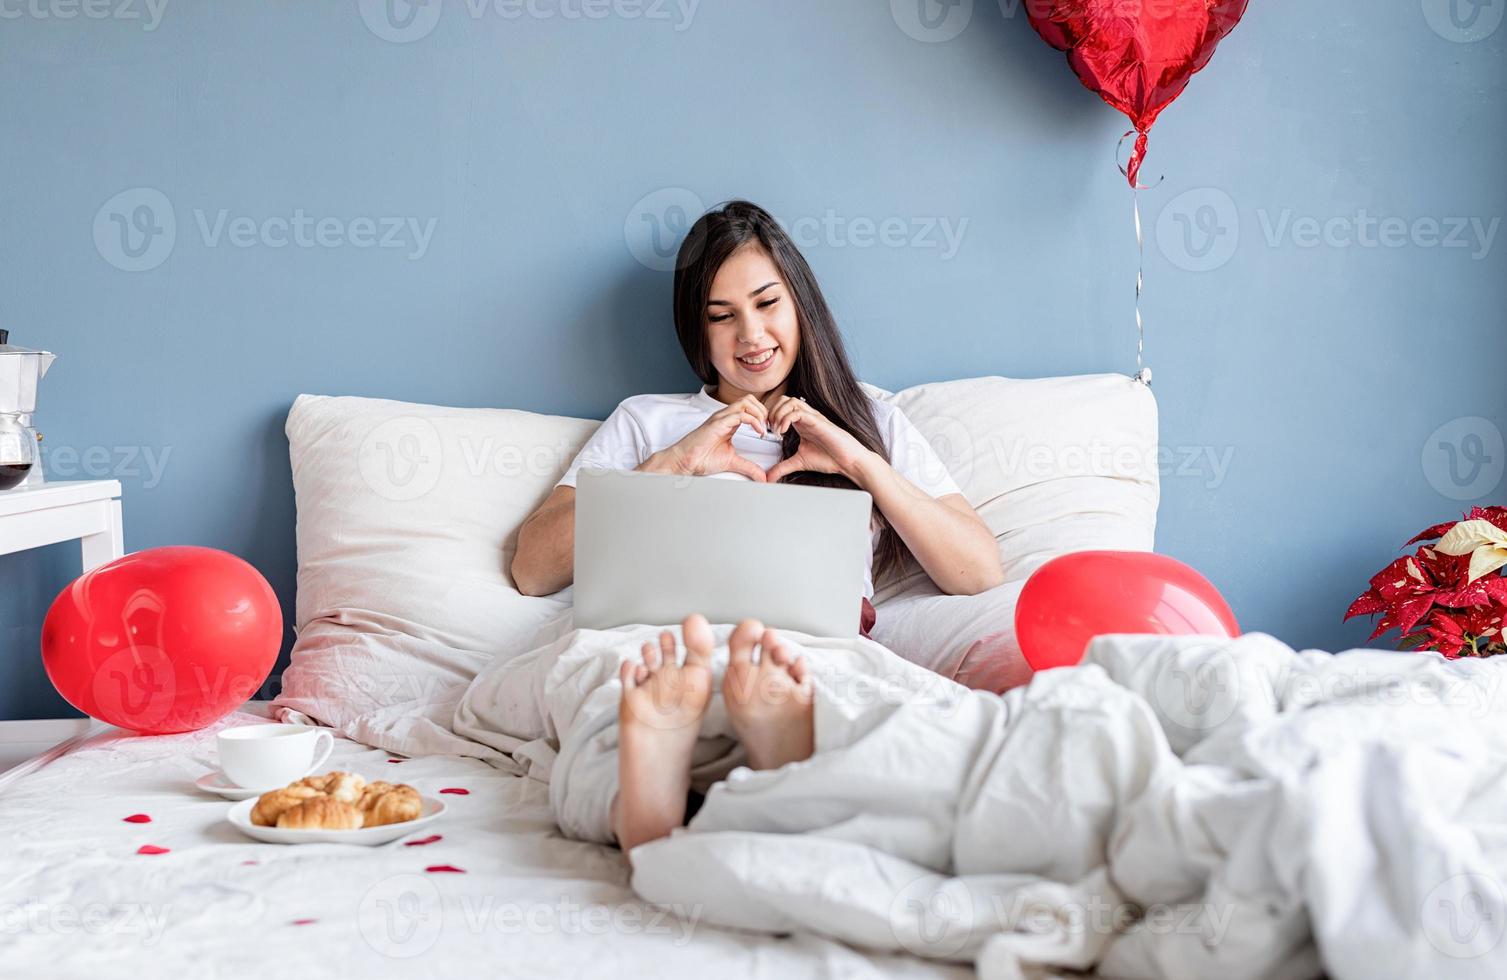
x=137 y=818
x=432 y=838
x=456 y=790
x=445 y=869
x=152 y=849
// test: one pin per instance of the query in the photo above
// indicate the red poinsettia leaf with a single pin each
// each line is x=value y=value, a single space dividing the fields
x=1409 y=613
x=1437 y=531
x=1473 y=594
x=1443 y=624
x=1496 y=589
x=1366 y=605
x=1402 y=579
x=1494 y=515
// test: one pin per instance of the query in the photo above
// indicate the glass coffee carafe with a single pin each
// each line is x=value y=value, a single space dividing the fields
x=18 y=449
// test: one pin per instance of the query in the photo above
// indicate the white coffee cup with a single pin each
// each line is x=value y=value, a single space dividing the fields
x=263 y=757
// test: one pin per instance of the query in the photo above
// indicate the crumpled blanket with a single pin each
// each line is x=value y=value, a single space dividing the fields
x=1173 y=807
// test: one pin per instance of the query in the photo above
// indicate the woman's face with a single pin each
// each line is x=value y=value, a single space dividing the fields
x=753 y=332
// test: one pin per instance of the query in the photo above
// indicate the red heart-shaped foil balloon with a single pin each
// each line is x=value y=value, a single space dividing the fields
x=1137 y=54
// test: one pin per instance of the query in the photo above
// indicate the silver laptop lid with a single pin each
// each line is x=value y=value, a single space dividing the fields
x=652 y=548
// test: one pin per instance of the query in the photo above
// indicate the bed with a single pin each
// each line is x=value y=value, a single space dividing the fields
x=85 y=893
x=407 y=518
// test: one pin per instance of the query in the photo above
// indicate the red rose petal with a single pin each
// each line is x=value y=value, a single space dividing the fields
x=456 y=790
x=397 y=760
x=303 y=922
x=445 y=869
x=152 y=849
x=137 y=818
x=251 y=862
x=432 y=838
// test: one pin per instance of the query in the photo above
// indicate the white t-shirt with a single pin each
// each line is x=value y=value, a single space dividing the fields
x=645 y=424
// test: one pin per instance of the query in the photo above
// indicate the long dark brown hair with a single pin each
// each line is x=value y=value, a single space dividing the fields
x=821 y=375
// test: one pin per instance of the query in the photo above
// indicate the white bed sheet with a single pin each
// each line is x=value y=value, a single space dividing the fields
x=77 y=900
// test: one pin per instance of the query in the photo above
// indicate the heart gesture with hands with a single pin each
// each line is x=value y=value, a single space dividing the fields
x=708 y=449
x=825 y=447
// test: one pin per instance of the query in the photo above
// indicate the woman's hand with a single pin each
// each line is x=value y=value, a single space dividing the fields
x=825 y=447
x=708 y=449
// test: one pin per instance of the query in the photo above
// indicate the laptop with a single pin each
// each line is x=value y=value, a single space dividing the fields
x=652 y=548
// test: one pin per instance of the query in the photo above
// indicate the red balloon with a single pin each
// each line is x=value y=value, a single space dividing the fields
x=1137 y=54
x=1074 y=598
x=164 y=640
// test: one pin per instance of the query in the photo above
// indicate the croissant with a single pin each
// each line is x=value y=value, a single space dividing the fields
x=344 y=786
x=396 y=804
x=321 y=813
x=272 y=805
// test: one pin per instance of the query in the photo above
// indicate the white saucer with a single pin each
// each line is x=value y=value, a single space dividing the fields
x=240 y=818
x=218 y=783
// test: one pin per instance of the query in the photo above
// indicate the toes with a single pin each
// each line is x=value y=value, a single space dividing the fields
x=628 y=674
x=772 y=649
x=649 y=654
x=667 y=648
x=698 y=639
x=740 y=645
x=799 y=672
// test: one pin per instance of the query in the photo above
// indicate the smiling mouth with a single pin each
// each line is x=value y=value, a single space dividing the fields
x=754 y=360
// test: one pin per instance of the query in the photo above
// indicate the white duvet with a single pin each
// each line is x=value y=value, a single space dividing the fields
x=1172 y=808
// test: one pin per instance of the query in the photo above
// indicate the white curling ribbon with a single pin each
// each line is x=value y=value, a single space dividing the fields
x=1482 y=540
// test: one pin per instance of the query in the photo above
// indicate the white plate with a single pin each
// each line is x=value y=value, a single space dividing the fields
x=215 y=781
x=240 y=818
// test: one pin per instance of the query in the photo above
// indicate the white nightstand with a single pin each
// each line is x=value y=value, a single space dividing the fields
x=86 y=510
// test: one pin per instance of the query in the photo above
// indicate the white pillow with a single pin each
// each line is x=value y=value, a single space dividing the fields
x=1053 y=466
x=407 y=524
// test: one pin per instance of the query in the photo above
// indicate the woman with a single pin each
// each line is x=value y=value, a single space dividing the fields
x=780 y=404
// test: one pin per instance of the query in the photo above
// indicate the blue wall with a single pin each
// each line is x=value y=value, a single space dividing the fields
x=1304 y=360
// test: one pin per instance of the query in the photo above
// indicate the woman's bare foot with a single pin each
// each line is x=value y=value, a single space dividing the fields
x=769 y=699
x=659 y=719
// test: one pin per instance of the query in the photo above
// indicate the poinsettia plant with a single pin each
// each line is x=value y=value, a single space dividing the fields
x=1449 y=596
